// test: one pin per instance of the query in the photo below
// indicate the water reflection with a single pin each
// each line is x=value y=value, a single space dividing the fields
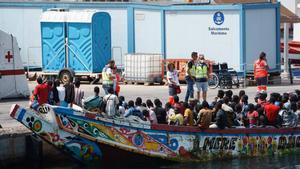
x=286 y=162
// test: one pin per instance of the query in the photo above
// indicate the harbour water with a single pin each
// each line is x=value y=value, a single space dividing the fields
x=284 y=162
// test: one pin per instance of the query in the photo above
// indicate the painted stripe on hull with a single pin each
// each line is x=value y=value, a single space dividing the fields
x=21 y=114
x=13 y=112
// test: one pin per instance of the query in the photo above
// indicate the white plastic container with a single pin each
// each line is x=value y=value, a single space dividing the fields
x=143 y=68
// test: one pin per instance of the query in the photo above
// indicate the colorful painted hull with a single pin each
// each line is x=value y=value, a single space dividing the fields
x=87 y=137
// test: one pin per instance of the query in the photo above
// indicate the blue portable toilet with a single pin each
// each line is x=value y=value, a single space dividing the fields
x=53 y=40
x=79 y=40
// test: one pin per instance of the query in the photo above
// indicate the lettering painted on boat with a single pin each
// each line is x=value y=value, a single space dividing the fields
x=219 y=143
x=286 y=142
x=229 y=143
x=43 y=109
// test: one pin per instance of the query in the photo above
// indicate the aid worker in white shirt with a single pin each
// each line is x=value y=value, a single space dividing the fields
x=172 y=77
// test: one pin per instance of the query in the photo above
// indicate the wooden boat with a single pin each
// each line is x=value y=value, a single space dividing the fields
x=87 y=137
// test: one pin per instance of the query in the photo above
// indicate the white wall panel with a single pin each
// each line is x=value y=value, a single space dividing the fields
x=24 y=24
x=296 y=33
x=260 y=35
x=147 y=31
x=188 y=31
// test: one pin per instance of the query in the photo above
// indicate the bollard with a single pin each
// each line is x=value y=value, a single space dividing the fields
x=245 y=75
x=34 y=152
x=291 y=72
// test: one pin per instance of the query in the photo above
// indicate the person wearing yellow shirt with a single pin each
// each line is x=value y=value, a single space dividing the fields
x=177 y=118
x=188 y=115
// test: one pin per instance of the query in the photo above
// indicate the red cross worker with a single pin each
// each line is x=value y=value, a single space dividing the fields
x=261 y=73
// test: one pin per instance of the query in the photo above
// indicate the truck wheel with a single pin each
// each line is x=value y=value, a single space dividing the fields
x=66 y=75
x=214 y=82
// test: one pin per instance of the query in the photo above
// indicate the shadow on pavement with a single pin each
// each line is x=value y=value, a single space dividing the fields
x=13 y=100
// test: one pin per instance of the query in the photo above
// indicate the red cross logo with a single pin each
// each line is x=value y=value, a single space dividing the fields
x=8 y=56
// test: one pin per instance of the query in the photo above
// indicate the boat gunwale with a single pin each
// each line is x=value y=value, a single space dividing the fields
x=187 y=129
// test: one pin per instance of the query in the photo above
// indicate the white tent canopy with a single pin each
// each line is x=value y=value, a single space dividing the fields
x=13 y=82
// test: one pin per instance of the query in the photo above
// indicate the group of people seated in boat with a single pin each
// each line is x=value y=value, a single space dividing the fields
x=228 y=110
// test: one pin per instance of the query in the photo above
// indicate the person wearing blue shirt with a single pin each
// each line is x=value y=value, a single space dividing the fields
x=132 y=111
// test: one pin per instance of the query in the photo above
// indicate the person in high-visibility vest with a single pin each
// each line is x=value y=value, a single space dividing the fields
x=107 y=76
x=202 y=75
x=190 y=76
x=261 y=72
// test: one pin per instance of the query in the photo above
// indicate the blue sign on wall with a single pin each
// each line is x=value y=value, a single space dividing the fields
x=219 y=18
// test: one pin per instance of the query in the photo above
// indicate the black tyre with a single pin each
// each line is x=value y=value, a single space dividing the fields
x=236 y=83
x=66 y=75
x=213 y=82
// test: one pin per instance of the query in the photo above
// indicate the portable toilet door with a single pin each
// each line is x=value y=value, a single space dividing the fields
x=53 y=41
x=89 y=40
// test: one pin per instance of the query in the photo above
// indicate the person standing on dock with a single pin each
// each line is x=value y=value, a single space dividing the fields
x=261 y=73
x=172 y=77
x=107 y=76
x=202 y=75
x=190 y=76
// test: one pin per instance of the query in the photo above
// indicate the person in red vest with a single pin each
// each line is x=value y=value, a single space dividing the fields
x=261 y=72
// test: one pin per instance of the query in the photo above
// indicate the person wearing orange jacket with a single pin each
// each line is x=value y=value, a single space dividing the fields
x=261 y=72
